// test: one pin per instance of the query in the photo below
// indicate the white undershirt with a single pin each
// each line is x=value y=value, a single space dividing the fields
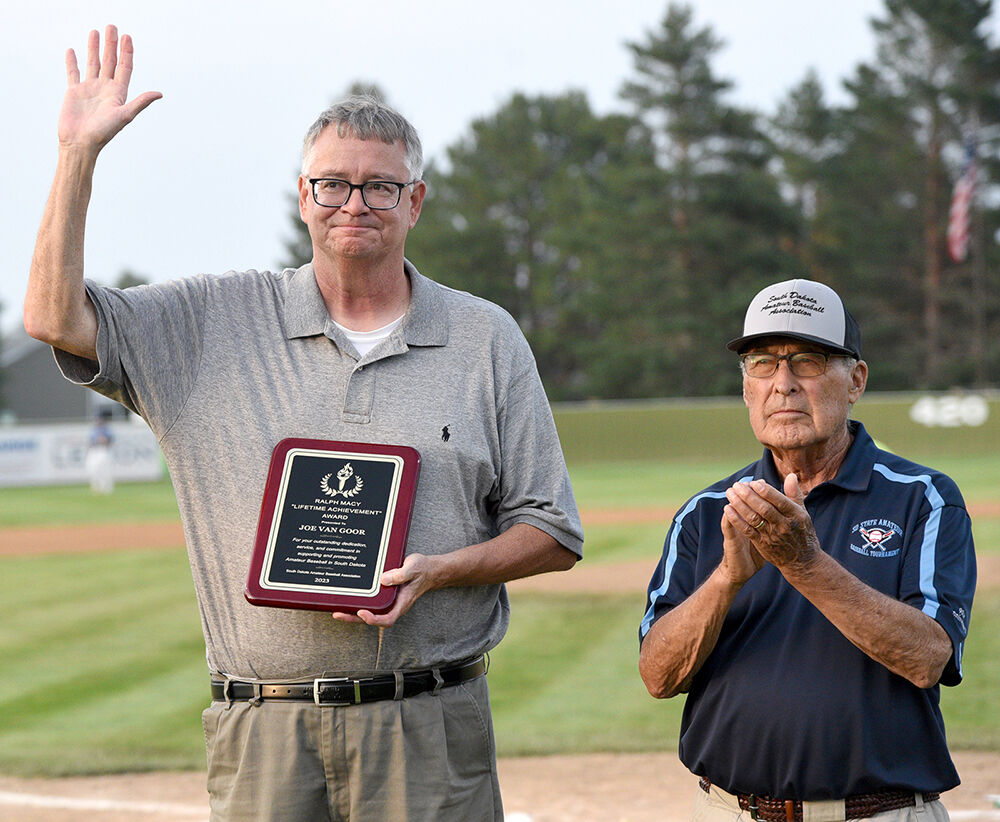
x=365 y=341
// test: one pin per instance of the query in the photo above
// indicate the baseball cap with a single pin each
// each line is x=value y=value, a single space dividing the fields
x=804 y=310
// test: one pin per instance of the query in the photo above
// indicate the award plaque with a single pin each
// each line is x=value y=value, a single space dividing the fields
x=335 y=515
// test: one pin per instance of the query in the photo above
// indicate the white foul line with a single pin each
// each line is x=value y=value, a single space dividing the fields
x=70 y=803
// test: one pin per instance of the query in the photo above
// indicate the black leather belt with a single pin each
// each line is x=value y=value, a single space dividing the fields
x=861 y=806
x=351 y=690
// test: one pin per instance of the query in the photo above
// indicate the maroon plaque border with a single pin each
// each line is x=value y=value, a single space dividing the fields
x=382 y=600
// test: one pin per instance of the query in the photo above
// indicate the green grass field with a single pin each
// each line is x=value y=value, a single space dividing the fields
x=102 y=662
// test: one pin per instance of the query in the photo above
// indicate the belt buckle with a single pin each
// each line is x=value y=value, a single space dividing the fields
x=319 y=681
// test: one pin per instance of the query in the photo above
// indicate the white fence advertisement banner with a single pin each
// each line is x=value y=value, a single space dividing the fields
x=57 y=454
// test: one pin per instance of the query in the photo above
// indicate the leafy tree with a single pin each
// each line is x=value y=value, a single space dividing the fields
x=934 y=54
x=532 y=213
x=628 y=245
x=298 y=244
x=860 y=170
x=882 y=178
x=723 y=230
x=129 y=278
x=807 y=133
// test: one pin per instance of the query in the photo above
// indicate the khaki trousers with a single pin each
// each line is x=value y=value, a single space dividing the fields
x=719 y=806
x=428 y=758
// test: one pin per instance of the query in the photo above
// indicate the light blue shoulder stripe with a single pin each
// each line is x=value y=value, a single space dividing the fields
x=668 y=565
x=928 y=548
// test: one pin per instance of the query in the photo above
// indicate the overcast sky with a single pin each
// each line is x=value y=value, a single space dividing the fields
x=199 y=183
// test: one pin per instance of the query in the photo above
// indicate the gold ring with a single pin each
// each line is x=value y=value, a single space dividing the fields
x=761 y=524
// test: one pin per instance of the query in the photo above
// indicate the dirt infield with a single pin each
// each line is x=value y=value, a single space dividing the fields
x=586 y=788
x=600 y=577
x=589 y=788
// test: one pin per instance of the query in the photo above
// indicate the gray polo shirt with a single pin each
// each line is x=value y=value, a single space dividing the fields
x=223 y=368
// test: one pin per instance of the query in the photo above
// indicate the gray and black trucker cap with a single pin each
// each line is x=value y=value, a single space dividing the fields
x=804 y=310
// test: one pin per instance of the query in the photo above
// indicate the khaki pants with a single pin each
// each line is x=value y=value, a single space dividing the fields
x=428 y=758
x=719 y=806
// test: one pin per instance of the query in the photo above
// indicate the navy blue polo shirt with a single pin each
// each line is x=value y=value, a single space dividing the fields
x=785 y=706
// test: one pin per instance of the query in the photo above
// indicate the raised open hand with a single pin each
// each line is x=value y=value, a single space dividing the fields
x=96 y=109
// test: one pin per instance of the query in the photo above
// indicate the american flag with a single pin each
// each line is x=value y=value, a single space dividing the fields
x=961 y=203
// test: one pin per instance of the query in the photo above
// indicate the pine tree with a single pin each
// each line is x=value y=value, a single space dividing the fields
x=529 y=213
x=884 y=180
x=723 y=229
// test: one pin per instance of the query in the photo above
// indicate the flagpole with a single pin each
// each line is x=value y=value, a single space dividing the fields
x=964 y=240
x=979 y=286
x=979 y=352
x=980 y=347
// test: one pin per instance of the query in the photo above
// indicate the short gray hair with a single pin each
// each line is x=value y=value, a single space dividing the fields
x=368 y=118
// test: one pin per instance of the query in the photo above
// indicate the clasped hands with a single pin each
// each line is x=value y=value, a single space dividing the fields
x=760 y=525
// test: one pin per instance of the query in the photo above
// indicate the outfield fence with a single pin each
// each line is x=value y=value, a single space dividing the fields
x=913 y=424
x=917 y=425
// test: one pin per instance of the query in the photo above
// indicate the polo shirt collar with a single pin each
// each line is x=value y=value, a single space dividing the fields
x=426 y=320
x=425 y=323
x=856 y=469
x=854 y=473
x=304 y=311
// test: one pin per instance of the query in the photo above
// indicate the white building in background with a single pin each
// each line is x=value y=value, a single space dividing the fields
x=45 y=424
x=32 y=390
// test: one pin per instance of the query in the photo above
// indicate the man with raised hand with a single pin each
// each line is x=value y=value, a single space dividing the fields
x=811 y=604
x=359 y=715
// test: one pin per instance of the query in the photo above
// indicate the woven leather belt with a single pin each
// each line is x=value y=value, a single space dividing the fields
x=855 y=807
x=340 y=691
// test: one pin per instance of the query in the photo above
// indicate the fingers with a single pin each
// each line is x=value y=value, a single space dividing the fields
x=792 y=490
x=767 y=500
x=386 y=620
x=416 y=569
x=394 y=577
x=107 y=80
x=733 y=525
x=139 y=103
x=749 y=510
x=739 y=521
x=113 y=65
x=93 y=55
x=366 y=617
x=124 y=72
x=341 y=616
x=110 y=53
x=124 y=76
x=410 y=579
x=406 y=595
x=776 y=526
x=72 y=69
x=740 y=559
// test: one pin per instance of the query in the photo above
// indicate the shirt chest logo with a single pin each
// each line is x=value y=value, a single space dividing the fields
x=878 y=538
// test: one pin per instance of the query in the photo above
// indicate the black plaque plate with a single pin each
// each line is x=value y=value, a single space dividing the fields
x=335 y=515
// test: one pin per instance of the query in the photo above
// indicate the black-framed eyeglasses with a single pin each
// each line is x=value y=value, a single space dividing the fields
x=801 y=363
x=379 y=195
